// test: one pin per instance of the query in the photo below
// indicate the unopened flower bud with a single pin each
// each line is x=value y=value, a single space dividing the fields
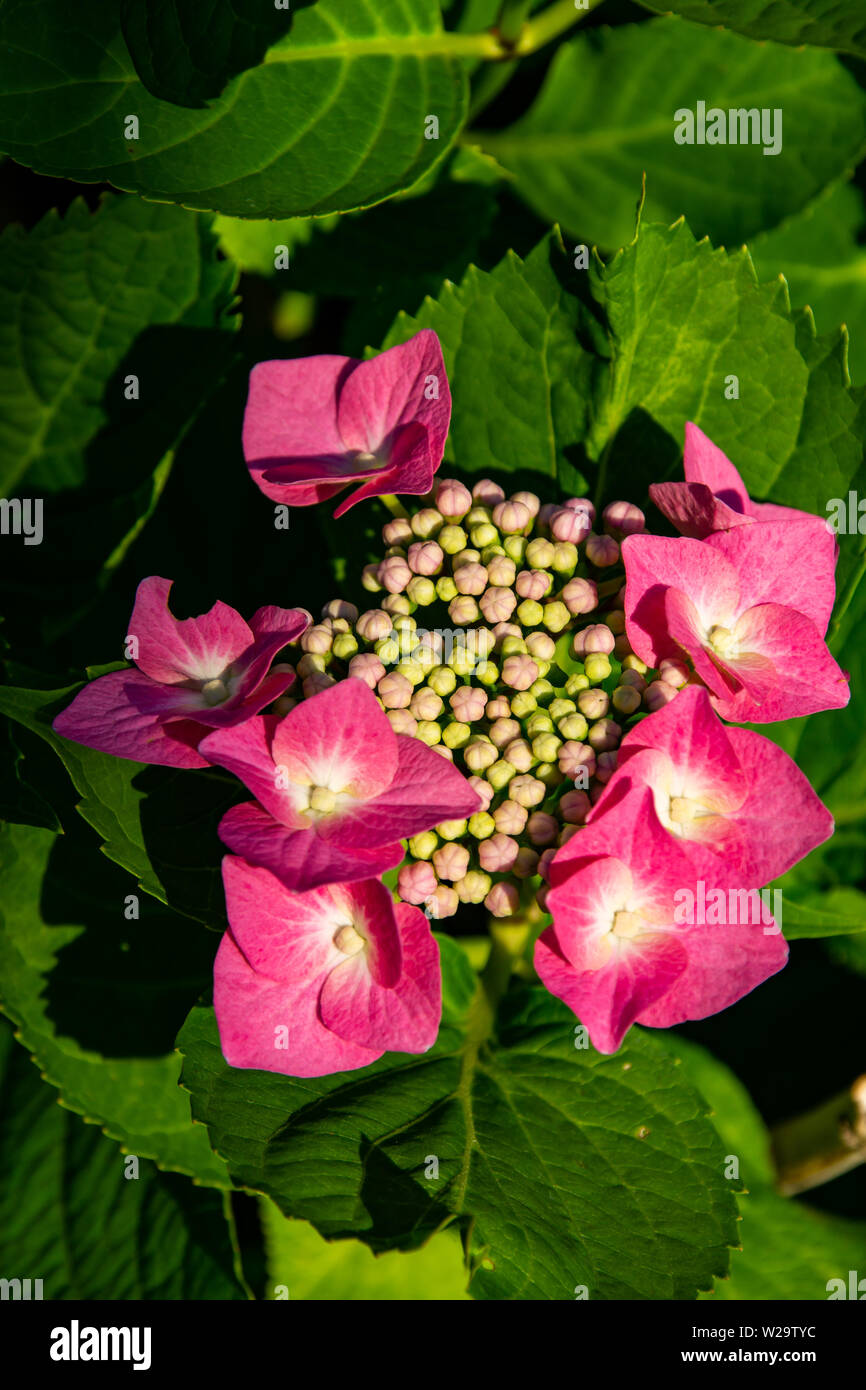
x=597 y=638
x=623 y=519
x=526 y=863
x=451 y=829
x=451 y=862
x=311 y=664
x=658 y=694
x=339 y=608
x=512 y=646
x=527 y=791
x=543 y=691
x=483 y=535
x=633 y=679
x=574 y=807
x=498 y=854
x=452 y=539
x=510 y=817
x=500 y=774
x=519 y=754
x=425 y=557
x=529 y=500
x=503 y=730
x=446 y=589
x=503 y=900
x=634 y=663
x=422 y=846
x=373 y=625
x=387 y=649
x=519 y=672
x=566 y=833
x=367 y=668
x=421 y=591
x=426 y=523
x=572 y=726
x=471 y=579
x=425 y=703
x=394 y=574
x=556 y=616
x=541 y=828
x=498 y=604
x=501 y=571
x=397 y=532
x=442 y=679
x=444 y=752
x=316 y=640
x=512 y=518
x=481 y=825
x=601 y=551
x=487 y=673
x=545 y=747
x=674 y=672
x=402 y=722
x=479 y=755
x=626 y=699
x=523 y=703
x=622 y=647
x=530 y=613
x=540 y=723
x=468 y=703
x=568 y=524
x=483 y=790
x=573 y=757
x=540 y=553
x=443 y=903
x=594 y=703
x=560 y=707
x=415 y=882
x=345 y=646
x=394 y=690
x=457 y=734
x=606 y=765
x=463 y=610
x=412 y=670
x=597 y=666
x=370 y=579
x=604 y=735
x=487 y=493
x=453 y=499
x=474 y=887
x=479 y=516
x=429 y=732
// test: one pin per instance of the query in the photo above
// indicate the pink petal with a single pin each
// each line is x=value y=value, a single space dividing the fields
x=172 y=650
x=106 y=715
x=685 y=628
x=782 y=819
x=704 y=462
x=291 y=421
x=786 y=669
x=339 y=738
x=426 y=789
x=389 y=393
x=654 y=564
x=791 y=563
x=404 y=1018
x=694 y=510
x=301 y=859
x=245 y=751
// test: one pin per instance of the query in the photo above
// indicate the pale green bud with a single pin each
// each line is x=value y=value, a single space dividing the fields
x=574 y=727
x=543 y=666
x=446 y=589
x=539 y=723
x=426 y=523
x=452 y=829
x=634 y=663
x=515 y=548
x=452 y=539
x=500 y=774
x=421 y=591
x=465 y=557
x=597 y=667
x=413 y=671
x=443 y=680
x=456 y=735
x=560 y=708
x=482 y=535
x=461 y=661
x=626 y=699
x=545 y=748
x=564 y=558
x=370 y=579
x=556 y=616
x=576 y=683
x=489 y=552
x=478 y=515
x=529 y=613
x=422 y=846
x=539 y=553
x=487 y=673
x=482 y=825
x=387 y=650
x=549 y=774
x=429 y=732
x=473 y=887
x=523 y=703
x=345 y=646
x=512 y=646
x=542 y=690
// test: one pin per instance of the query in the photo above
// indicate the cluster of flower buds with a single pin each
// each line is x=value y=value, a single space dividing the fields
x=499 y=640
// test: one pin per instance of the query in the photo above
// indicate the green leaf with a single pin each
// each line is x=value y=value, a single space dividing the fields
x=186 y=52
x=789 y=1250
x=835 y=24
x=606 y=114
x=308 y=1267
x=835 y=913
x=519 y=377
x=87 y=302
x=822 y=259
x=563 y=1167
x=71 y=1217
x=158 y=823
x=81 y=982
x=333 y=118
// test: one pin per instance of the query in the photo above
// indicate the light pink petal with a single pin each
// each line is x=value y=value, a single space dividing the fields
x=256 y=1016
x=784 y=667
x=404 y=1018
x=608 y=1001
x=301 y=859
x=654 y=564
x=426 y=789
x=245 y=751
x=106 y=715
x=172 y=650
x=791 y=563
x=286 y=936
x=697 y=744
x=340 y=739
x=686 y=630
x=694 y=510
x=704 y=462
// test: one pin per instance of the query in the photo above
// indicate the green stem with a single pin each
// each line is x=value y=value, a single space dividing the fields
x=394 y=505
x=513 y=14
x=825 y=1142
x=550 y=24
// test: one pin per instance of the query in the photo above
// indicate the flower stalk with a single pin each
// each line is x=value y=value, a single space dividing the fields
x=813 y=1148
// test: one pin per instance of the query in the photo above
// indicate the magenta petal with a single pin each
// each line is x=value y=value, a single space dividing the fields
x=291 y=419
x=704 y=462
x=106 y=715
x=782 y=819
x=694 y=510
x=724 y=964
x=272 y=1026
x=245 y=751
x=172 y=650
x=393 y=391
x=404 y=1018
x=685 y=629
x=785 y=669
x=301 y=859
x=340 y=738
x=426 y=790
x=654 y=564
